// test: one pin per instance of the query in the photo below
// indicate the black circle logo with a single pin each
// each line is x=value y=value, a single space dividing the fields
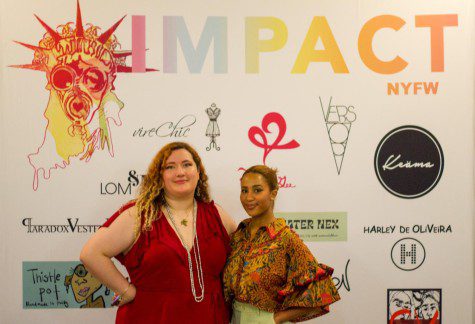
x=409 y=162
x=408 y=254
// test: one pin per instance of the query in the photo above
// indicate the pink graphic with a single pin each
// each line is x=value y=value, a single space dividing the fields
x=81 y=66
x=282 y=180
x=255 y=132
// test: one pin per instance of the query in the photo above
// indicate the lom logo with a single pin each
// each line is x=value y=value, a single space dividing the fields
x=80 y=67
x=409 y=162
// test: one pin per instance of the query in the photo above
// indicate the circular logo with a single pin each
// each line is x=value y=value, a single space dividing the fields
x=408 y=254
x=409 y=162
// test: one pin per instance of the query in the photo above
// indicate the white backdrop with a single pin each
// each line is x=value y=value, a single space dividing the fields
x=82 y=193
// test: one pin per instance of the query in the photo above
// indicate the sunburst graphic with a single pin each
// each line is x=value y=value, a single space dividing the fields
x=81 y=65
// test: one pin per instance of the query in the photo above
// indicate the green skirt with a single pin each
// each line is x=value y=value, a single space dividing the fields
x=246 y=314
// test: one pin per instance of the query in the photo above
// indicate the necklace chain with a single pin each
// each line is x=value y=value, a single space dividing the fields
x=196 y=252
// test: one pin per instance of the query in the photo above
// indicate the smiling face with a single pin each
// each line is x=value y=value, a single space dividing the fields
x=256 y=196
x=180 y=174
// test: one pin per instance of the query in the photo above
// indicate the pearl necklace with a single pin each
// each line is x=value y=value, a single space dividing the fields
x=196 y=252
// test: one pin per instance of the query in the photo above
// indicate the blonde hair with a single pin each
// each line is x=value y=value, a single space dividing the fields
x=152 y=194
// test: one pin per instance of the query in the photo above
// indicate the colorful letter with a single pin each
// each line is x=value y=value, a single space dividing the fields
x=319 y=29
x=254 y=45
x=138 y=44
x=174 y=29
x=436 y=23
x=365 y=45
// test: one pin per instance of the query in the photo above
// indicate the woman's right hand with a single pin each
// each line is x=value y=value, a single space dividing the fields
x=129 y=295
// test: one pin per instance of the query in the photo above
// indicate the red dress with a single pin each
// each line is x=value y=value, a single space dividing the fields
x=158 y=267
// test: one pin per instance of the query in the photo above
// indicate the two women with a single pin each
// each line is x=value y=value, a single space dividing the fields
x=174 y=242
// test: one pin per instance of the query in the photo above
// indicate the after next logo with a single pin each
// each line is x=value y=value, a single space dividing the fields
x=215 y=34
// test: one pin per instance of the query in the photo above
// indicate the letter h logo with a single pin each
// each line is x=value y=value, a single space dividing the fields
x=411 y=253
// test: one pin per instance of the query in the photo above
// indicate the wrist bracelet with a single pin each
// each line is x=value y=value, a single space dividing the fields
x=118 y=298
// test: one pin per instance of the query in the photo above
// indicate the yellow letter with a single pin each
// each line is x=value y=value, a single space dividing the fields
x=254 y=45
x=331 y=53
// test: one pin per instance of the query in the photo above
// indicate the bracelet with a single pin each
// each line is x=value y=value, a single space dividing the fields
x=118 y=298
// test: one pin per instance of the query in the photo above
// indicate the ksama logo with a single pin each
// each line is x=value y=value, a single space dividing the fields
x=409 y=162
x=414 y=306
x=80 y=66
x=338 y=120
x=408 y=254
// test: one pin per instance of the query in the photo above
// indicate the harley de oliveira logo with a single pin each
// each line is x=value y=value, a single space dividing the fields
x=409 y=162
x=408 y=254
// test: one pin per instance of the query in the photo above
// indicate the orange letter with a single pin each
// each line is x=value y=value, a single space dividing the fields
x=436 y=23
x=365 y=45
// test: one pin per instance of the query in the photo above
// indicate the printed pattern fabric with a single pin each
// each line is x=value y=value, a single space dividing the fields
x=276 y=271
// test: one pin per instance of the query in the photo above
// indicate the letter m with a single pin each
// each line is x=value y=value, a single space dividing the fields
x=215 y=30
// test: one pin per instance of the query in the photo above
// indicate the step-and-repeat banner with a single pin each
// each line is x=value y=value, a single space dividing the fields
x=365 y=107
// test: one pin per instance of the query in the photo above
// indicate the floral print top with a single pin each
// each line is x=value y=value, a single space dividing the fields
x=276 y=271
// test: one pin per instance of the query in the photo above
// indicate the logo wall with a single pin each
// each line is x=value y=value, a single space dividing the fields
x=338 y=121
x=80 y=67
x=409 y=162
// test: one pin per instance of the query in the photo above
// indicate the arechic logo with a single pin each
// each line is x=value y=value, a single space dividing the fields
x=408 y=254
x=409 y=162
x=71 y=226
x=338 y=120
x=180 y=128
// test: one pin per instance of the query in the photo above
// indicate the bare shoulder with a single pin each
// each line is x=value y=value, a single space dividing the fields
x=227 y=220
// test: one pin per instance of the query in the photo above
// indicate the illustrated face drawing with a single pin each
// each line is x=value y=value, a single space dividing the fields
x=84 y=285
x=80 y=66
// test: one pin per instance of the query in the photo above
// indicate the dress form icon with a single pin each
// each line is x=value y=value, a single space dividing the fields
x=212 y=130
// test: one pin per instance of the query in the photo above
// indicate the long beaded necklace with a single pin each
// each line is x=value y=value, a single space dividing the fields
x=196 y=252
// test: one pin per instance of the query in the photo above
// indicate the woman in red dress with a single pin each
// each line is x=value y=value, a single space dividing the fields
x=173 y=241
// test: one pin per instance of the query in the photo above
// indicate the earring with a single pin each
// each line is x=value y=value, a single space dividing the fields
x=198 y=191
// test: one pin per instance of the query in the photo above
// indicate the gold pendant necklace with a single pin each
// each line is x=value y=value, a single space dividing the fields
x=184 y=222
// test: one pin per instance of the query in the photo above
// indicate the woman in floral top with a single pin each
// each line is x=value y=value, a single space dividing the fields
x=271 y=276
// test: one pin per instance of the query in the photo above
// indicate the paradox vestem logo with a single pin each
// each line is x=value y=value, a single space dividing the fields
x=409 y=162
